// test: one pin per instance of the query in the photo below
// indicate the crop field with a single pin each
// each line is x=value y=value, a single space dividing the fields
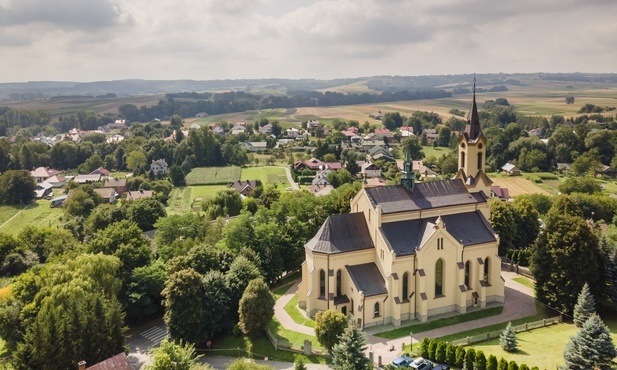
x=213 y=175
x=267 y=175
x=37 y=214
x=518 y=185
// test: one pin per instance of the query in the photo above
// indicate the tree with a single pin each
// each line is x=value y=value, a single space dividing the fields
x=241 y=272
x=256 y=306
x=451 y=354
x=329 y=325
x=432 y=348
x=512 y=365
x=460 y=357
x=440 y=352
x=17 y=187
x=491 y=362
x=175 y=227
x=392 y=120
x=502 y=364
x=585 y=306
x=504 y=221
x=136 y=161
x=176 y=175
x=173 y=356
x=424 y=347
x=443 y=138
x=81 y=201
x=592 y=347
x=480 y=361
x=225 y=203
x=184 y=301
x=145 y=212
x=569 y=100
x=580 y=185
x=507 y=339
x=565 y=241
x=144 y=290
x=470 y=358
x=348 y=353
x=412 y=143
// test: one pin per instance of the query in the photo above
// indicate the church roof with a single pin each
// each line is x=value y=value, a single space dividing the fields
x=425 y=195
x=405 y=237
x=367 y=279
x=472 y=129
x=340 y=234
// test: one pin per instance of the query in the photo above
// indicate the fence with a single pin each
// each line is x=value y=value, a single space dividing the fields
x=284 y=345
x=519 y=328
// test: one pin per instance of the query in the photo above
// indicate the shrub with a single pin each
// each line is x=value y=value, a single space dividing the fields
x=512 y=365
x=507 y=339
x=451 y=354
x=523 y=367
x=502 y=365
x=480 y=361
x=424 y=347
x=470 y=358
x=440 y=353
x=460 y=357
x=432 y=348
x=491 y=363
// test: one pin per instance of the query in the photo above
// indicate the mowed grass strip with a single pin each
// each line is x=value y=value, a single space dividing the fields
x=526 y=282
x=440 y=323
x=213 y=175
x=37 y=214
x=267 y=175
x=6 y=212
x=292 y=309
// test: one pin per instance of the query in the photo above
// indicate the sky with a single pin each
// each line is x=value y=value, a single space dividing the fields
x=100 y=40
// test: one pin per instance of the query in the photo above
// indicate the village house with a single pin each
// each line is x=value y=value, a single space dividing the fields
x=409 y=251
x=159 y=167
x=500 y=193
x=41 y=174
x=292 y=133
x=85 y=179
x=134 y=195
x=311 y=125
x=100 y=171
x=244 y=187
x=108 y=195
x=120 y=186
x=370 y=170
x=510 y=169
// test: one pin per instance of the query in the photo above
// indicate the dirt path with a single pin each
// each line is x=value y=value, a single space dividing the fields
x=294 y=185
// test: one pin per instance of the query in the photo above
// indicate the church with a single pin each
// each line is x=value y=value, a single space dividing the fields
x=410 y=251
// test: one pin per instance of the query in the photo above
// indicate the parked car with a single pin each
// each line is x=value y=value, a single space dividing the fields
x=421 y=364
x=403 y=361
x=441 y=367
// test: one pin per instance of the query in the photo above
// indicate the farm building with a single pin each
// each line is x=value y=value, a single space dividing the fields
x=409 y=251
x=244 y=187
x=510 y=169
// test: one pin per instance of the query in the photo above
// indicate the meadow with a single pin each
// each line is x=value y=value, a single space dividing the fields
x=267 y=175
x=213 y=175
x=37 y=214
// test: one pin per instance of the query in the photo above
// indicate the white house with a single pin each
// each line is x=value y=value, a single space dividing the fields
x=159 y=167
x=370 y=170
x=292 y=132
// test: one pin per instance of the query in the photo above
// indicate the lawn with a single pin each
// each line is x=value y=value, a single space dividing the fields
x=37 y=214
x=518 y=185
x=525 y=281
x=292 y=309
x=267 y=175
x=6 y=212
x=440 y=323
x=293 y=338
x=213 y=175
x=430 y=151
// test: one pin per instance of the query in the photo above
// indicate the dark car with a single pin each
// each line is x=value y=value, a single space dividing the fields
x=441 y=367
x=403 y=361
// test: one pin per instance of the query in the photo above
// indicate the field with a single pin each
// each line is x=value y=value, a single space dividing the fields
x=430 y=151
x=37 y=214
x=213 y=175
x=517 y=185
x=267 y=175
x=187 y=199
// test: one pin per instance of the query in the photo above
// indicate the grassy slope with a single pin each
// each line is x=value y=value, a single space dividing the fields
x=267 y=175
x=213 y=175
x=37 y=214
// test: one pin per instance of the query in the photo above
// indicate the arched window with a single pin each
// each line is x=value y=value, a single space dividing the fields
x=322 y=283
x=405 y=286
x=339 y=283
x=479 y=161
x=462 y=159
x=351 y=308
x=439 y=278
x=487 y=271
x=468 y=274
x=376 y=309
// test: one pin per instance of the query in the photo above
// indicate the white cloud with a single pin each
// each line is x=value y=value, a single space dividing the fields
x=115 y=39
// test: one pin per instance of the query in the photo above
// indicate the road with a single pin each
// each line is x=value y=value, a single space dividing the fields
x=294 y=186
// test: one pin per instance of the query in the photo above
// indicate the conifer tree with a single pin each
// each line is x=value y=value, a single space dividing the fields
x=480 y=361
x=491 y=363
x=432 y=347
x=424 y=347
x=507 y=339
x=440 y=352
x=470 y=358
x=502 y=365
x=348 y=353
x=590 y=348
x=523 y=367
x=585 y=306
x=460 y=357
x=451 y=354
x=512 y=365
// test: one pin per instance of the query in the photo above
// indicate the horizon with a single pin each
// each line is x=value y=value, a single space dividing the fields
x=111 y=40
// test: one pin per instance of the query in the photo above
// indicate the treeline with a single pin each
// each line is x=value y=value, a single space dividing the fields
x=239 y=101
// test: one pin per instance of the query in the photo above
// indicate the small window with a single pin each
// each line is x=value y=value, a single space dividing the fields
x=468 y=275
x=405 y=286
x=479 y=161
x=351 y=308
x=462 y=159
x=439 y=278
x=377 y=310
x=322 y=284
x=339 y=284
x=487 y=271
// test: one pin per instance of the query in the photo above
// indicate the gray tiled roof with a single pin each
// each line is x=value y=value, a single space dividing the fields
x=425 y=195
x=340 y=234
x=367 y=279
x=405 y=237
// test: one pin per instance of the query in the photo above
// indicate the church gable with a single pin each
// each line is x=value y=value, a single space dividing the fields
x=340 y=234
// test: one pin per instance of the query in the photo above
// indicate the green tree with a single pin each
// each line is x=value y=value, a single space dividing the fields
x=460 y=357
x=175 y=227
x=502 y=364
x=585 y=163
x=173 y=356
x=145 y=212
x=424 y=347
x=580 y=185
x=348 y=353
x=480 y=362
x=176 y=175
x=451 y=354
x=329 y=325
x=136 y=161
x=528 y=226
x=225 y=203
x=491 y=362
x=585 y=306
x=256 y=306
x=507 y=339
x=443 y=139
x=16 y=187
x=241 y=272
x=81 y=201
x=144 y=290
x=566 y=240
x=591 y=347
x=392 y=120
x=512 y=365
x=569 y=100
x=470 y=358
x=440 y=352
x=412 y=143
x=524 y=367
x=185 y=306
x=504 y=221
x=432 y=349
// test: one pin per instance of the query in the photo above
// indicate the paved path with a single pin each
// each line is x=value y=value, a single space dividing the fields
x=221 y=362
x=294 y=186
x=142 y=339
x=519 y=303
x=283 y=317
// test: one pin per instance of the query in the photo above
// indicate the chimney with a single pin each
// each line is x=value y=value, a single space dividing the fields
x=81 y=365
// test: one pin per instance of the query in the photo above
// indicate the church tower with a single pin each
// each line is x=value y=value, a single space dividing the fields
x=472 y=153
x=407 y=175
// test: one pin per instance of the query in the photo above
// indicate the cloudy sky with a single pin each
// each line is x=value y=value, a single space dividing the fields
x=94 y=40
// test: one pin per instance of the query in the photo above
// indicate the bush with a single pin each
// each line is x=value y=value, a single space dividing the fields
x=424 y=347
x=470 y=358
x=480 y=362
x=440 y=353
x=451 y=354
x=491 y=363
x=502 y=365
x=236 y=331
x=507 y=339
x=432 y=348
x=523 y=367
x=460 y=357
x=512 y=365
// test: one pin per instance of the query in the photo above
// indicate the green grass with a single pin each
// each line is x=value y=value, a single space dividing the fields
x=526 y=282
x=281 y=289
x=295 y=339
x=206 y=191
x=213 y=175
x=292 y=309
x=6 y=212
x=440 y=323
x=267 y=175
x=255 y=346
x=435 y=152
x=542 y=313
x=37 y=214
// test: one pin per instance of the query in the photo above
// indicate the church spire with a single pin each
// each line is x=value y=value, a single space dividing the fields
x=472 y=129
x=407 y=175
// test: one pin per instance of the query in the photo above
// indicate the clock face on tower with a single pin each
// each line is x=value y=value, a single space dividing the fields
x=480 y=146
